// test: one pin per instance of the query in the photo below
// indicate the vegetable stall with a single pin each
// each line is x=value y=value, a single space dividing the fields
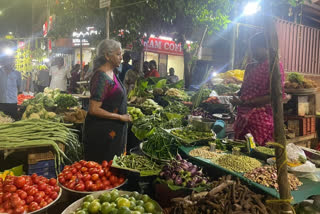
x=185 y=159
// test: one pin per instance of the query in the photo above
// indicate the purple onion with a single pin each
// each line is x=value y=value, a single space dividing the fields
x=178 y=157
x=173 y=176
x=178 y=180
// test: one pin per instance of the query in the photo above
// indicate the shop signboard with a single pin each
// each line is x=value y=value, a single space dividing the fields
x=162 y=46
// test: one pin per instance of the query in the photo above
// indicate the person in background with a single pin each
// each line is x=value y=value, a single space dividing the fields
x=132 y=76
x=145 y=68
x=75 y=77
x=125 y=66
x=43 y=79
x=10 y=84
x=84 y=72
x=172 y=78
x=153 y=70
x=59 y=75
x=254 y=112
x=105 y=128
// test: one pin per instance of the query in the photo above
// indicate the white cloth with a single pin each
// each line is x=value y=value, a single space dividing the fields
x=59 y=77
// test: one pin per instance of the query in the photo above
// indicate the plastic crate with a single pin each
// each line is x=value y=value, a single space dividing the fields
x=42 y=164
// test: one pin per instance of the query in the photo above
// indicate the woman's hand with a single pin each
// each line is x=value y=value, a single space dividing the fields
x=125 y=118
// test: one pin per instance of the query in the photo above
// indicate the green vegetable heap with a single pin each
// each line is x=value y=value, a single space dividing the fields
x=138 y=163
x=65 y=101
x=161 y=145
x=118 y=202
x=265 y=150
x=135 y=113
x=189 y=134
x=238 y=163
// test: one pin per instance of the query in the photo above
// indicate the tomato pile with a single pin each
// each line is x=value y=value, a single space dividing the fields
x=26 y=193
x=22 y=97
x=89 y=176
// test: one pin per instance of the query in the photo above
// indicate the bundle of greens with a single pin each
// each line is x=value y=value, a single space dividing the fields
x=226 y=89
x=161 y=145
x=65 y=101
x=200 y=96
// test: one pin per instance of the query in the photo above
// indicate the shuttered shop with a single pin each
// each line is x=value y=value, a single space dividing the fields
x=299 y=47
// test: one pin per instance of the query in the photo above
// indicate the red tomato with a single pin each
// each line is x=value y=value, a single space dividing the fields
x=107 y=187
x=113 y=179
x=47 y=191
x=108 y=174
x=22 y=194
x=88 y=185
x=101 y=172
x=29 y=199
x=6 y=196
x=94 y=187
x=33 y=206
x=115 y=184
x=86 y=177
x=19 y=210
x=79 y=175
x=61 y=179
x=38 y=199
x=66 y=168
x=28 y=180
x=73 y=170
x=10 y=188
x=7 y=205
x=68 y=175
x=83 y=162
x=80 y=187
x=34 y=175
x=52 y=181
x=54 y=195
x=32 y=191
x=15 y=202
x=36 y=180
x=42 y=186
x=2 y=210
x=45 y=180
x=78 y=166
x=41 y=193
x=57 y=189
x=19 y=182
x=43 y=203
x=84 y=169
x=26 y=188
x=71 y=184
x=91 y=164
x=121 y=180
x=106 y=183
x=103 y=178
x=110 y=163
x=104 y=164
x=49 y=200
x=94 y=177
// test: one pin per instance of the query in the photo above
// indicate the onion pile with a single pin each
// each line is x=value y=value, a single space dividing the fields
x=183 y=173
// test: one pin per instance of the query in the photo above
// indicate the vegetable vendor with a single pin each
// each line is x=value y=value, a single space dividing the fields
x=105 y=129
x=254 y=106
x=10 y=82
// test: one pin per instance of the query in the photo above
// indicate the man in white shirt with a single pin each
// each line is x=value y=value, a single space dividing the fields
x=59 y=75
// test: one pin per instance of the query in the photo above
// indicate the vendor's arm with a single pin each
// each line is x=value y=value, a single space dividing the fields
x=96 y=110
x=258 y=101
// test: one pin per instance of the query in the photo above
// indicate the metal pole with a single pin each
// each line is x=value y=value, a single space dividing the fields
x=81 y=54
x=108 y=22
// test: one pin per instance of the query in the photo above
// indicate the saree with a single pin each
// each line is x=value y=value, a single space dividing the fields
x=256 y=120
x=104 y=138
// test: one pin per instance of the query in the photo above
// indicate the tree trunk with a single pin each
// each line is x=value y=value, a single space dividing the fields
x=277 y=108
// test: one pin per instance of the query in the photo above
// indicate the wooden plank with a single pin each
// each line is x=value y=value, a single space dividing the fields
x=302 y=138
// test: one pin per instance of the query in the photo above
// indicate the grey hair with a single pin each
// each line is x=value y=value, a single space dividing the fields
x=107 y=47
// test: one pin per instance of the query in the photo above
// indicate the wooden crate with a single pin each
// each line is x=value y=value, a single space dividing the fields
x=302 y=126
x=43 y=154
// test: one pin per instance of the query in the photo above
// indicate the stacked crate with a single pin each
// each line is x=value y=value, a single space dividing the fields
x=42 y=162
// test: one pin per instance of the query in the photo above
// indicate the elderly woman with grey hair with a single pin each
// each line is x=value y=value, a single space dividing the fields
x=105 y=129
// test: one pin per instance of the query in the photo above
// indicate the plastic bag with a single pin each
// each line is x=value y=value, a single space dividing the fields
x=295 y=154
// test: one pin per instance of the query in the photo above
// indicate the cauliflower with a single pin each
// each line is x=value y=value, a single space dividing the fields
x=34 y=116
x=48 y=90
x=51 y=115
